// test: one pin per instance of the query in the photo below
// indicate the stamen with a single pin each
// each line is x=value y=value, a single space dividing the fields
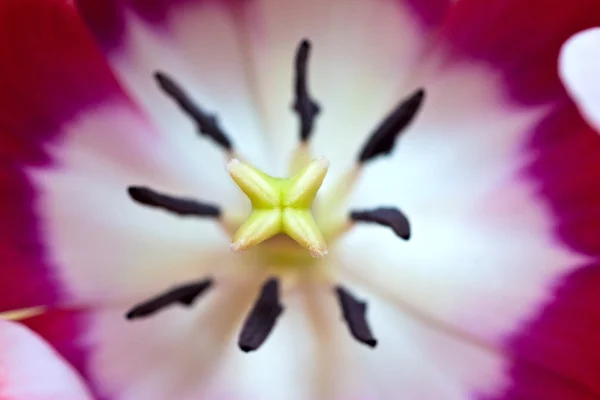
x=207 y=124
x=354 y=312
x=23 y=313
x=306 y=108
x=383 y=139
x=300 y=157
x=185 y=295
x=180 y=206
x=338 y=195
x=262 y=318
x=390 y=217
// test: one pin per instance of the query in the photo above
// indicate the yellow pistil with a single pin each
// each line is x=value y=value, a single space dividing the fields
x=280 y=206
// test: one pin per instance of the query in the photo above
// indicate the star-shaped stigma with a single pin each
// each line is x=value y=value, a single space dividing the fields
x=280 y=206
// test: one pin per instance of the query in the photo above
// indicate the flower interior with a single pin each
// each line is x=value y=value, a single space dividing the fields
x=292 y=225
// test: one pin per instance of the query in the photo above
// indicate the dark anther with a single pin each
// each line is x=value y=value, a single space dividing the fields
x=382 y=140
x=353 y=312
x=185 y=294
x=306 y=108
x=207 y=123
x=180 y=206
x=390 y=217
x=262 y=318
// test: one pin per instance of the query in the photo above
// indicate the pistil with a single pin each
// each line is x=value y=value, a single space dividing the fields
x=280 y=206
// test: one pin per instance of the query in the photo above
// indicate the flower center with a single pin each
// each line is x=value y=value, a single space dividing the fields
x=281 y=229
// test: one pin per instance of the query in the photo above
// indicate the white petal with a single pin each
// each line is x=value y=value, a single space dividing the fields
x=172 y=354
x=481 y=257
x=280 y=369
x=316 y=358
x=418 y=361
x=359 y=68
x=209 y=64
x=31 y=370
x=579 y=68
x=105 y=245
x=192 y=353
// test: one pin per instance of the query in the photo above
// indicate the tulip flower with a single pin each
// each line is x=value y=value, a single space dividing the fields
x=317 y=199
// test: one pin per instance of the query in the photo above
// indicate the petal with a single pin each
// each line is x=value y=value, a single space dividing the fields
x=520 y=39
x=362 y=57
x=475 y=274
x=579 y=66
x=197 y=43
x=281 y=369
x=479 y=175
x=32 y=370
x=326 y=363
x=98 y=247
x=173 y=353
x=105 y=16
x=54 y=72
x=461 y=299
x=430 y=13
x=62 y=329
x=72 y=144
x=567 y=170
x=27 y=280
x=557 y=351
x=105 y=246
x=419 y=361
x=255 y=41
x=45 y=84
x=411 y=359
x=191 y=353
